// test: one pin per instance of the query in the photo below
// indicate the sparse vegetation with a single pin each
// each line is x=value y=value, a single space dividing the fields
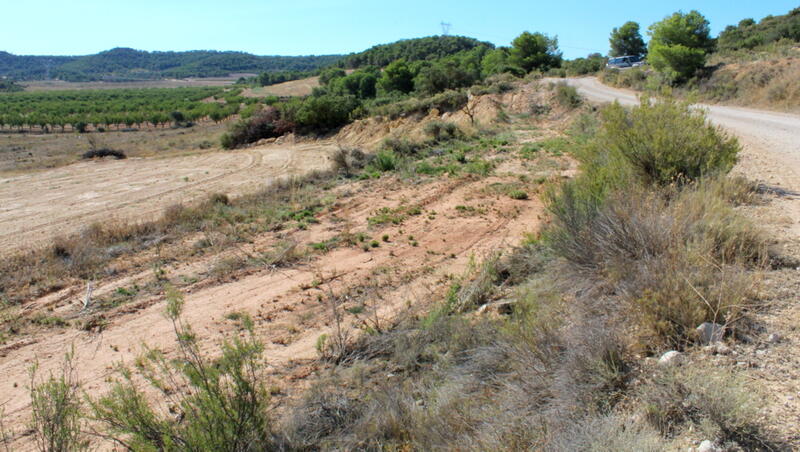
x=545 y=346
x=226 y=409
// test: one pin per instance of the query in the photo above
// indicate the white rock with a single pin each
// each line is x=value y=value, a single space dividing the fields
x=723 y=349
x=708 y=446
x=710 y=333
x=671 y=358
x=774 y=338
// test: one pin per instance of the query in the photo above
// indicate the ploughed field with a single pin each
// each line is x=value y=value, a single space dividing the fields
x=35 y=206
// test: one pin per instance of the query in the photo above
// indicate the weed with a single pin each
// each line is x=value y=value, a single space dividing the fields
x=56 y=410
x=225 y=407
x=518 y=194
x=567 y=95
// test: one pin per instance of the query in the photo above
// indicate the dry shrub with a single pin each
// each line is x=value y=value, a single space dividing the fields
x=346 y=161
x=607 y=433
x=719 y=402
x=679 y=258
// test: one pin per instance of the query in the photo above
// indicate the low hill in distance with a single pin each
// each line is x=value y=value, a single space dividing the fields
x=122 y=64
x=427 y=48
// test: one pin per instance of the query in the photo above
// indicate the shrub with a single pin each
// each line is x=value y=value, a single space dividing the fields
x=567 y=96
x=441 y=130
x=265 y=123
x=518 y=194
x=401 y=146
x=103 y=152
x=224 y=409
x=385 y=160
x=664 y=142
x=723 y=405
x=325 y=112
x=56 y=411
x=346 y=161
x=450 y=100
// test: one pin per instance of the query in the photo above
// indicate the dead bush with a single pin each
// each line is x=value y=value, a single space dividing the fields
x=720 y=403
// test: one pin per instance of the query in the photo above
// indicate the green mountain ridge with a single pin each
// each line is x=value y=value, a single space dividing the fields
x=120 y=64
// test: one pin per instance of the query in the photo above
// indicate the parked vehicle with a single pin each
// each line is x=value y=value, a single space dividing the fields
x=625 y=62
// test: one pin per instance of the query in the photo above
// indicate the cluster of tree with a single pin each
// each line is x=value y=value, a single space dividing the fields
x=8 y=86
x=680 y=43
x=749 y=34
x=130 y=64
x=428 y=48
x=106 y=108
x=678 y=46
x=273 y=78
x=26 y=67
x=582 y=66
x=344 y=97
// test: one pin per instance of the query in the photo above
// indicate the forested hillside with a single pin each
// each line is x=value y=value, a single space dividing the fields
x=749 y=34
x=130 y=64
x=429 y=48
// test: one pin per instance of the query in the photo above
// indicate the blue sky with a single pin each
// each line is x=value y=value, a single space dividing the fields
x=301 y=27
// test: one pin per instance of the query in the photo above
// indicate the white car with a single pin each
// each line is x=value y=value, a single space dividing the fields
x=624 y=62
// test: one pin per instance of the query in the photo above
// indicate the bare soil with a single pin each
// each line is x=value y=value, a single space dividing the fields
x=413 y=266
x=36 y=206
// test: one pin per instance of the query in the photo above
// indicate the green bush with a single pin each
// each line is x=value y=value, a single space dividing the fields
x=56 y=417
x=222 y=404
x=447 y=101
x=664 y=141
x=385 y=160
x=325 y=112
x=442 y=130
x=568 y=96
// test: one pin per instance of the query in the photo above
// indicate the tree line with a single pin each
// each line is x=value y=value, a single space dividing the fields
x=79 y=109
x=122 y=64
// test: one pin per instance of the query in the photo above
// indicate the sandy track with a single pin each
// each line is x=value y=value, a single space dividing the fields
x=36 y=206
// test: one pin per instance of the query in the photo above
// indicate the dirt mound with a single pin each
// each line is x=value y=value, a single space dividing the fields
x=485 y=110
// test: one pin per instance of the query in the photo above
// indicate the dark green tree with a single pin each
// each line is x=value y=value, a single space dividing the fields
x=679 y=44
x=627 y=40
x=535 y=51
x=397 y=76
x=327 y=75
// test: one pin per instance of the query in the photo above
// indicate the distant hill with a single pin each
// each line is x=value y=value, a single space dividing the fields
x=122 y=64
x=749 y=34
x=428 y=48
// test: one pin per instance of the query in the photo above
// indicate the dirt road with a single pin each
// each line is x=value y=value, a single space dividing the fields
x=36 y=206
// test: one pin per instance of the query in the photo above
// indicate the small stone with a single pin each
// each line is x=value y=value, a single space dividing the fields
x=723 y=349
x=761 y=352
x=671 y=358
x=774 y=338
x=709 y=333
x=708 y=446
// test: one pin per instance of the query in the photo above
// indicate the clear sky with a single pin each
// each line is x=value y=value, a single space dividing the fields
x=302 y=27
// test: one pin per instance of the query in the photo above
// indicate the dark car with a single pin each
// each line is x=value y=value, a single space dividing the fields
x=624 y=62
